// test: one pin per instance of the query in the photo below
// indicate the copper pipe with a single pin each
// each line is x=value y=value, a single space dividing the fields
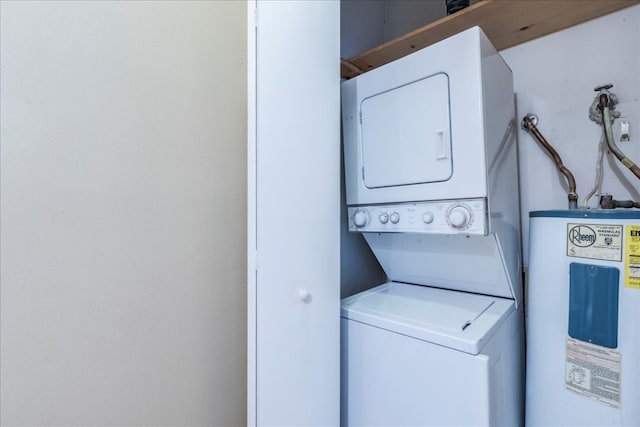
x=529 y=123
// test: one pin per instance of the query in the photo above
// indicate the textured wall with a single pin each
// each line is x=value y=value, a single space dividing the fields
x=123 y=213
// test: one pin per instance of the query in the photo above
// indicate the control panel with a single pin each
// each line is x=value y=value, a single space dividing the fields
x=442 y=217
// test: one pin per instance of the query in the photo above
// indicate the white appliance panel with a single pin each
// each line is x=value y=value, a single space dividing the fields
x=462 y=60
x=393 y=376
x=456 y=320
x=398 y=381
x=459 y=217
x=405 y=134
x=460 y=262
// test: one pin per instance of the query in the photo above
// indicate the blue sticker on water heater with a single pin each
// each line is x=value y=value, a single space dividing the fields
x=593 y=304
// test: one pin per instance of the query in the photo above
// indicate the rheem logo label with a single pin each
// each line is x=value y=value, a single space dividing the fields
x=582 y=236
x=595 y=241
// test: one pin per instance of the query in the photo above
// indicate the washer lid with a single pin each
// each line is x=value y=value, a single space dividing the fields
x=458 y=320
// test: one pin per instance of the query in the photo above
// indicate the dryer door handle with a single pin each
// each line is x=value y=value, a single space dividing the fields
x=443 y=145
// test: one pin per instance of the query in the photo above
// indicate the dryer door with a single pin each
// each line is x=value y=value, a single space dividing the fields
x=406 y=134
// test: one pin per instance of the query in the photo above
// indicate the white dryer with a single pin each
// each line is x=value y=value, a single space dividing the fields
x=431 y=180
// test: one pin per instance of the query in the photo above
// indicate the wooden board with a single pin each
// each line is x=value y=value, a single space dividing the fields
x=506 y=23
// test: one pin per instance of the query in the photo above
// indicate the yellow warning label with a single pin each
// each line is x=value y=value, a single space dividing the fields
x=632 y=257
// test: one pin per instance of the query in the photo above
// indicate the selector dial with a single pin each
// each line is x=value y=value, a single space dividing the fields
x=384 y=218
x=395 y=217
x=427 y=217
x=360 y=218
x=459 y=216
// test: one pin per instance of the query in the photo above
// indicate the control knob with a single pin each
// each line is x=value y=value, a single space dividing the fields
x=384 y=218
x=360 y=218
x=427 y=217
x=459 y=217
x=395 y=217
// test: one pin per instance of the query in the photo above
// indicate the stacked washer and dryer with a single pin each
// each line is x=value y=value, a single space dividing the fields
x=431 y=182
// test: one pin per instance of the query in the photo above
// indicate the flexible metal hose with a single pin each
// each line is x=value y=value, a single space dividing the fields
x=608 y=135
x=529 y=123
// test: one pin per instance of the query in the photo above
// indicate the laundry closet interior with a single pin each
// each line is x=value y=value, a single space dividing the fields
x=323 y=251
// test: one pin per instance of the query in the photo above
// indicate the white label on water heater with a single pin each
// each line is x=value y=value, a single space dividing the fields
x=593 y=372
x=595 y=241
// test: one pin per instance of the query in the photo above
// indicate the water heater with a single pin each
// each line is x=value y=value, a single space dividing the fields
x=583 y=340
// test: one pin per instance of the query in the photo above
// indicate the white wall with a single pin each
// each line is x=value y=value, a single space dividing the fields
x=407 y=15
x=366 y=24
x=123 y=296
x=361 y=26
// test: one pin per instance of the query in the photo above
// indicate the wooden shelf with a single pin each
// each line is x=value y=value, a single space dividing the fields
x=506 y=23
